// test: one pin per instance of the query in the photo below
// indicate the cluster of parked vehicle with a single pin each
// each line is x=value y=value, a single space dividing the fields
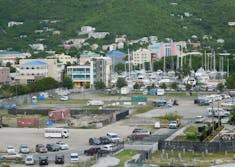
x=207 y=100
x=12 y=154
x=108 y=143
x=109 y=138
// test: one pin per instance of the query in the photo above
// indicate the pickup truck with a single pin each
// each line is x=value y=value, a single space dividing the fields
x=173 y=124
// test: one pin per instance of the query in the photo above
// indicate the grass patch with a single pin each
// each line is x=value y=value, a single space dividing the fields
x=124 y=156
x=171 y=117
x=57 y=101
x=3 y=112
x=190 y=158
x=143 y=109
x=181 y=94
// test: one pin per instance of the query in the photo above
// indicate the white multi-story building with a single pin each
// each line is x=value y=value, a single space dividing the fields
x=99 y=69
x=98 y=35
x=64 y=58
x=87 y=29
x=30 y=70
x=11 y=56
x=141 y=56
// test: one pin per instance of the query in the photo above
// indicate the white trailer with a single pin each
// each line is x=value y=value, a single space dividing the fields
x=56 y=133
x=125 y=90
x=95 y=103
x=160 y=92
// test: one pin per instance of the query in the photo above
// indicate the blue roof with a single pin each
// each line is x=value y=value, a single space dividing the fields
x=34 y=63
x=116 y=53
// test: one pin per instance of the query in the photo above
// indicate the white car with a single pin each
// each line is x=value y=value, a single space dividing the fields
x=114 y=137
x=74 y=157
x=107 y=147
x=10 y=149
x=63 y=145
x=29 y=160
x=12 y=156
x=64 y=98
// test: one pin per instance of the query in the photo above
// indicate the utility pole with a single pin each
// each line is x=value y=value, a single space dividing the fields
x=227 y=67
x=164 y=64
x=213 y=114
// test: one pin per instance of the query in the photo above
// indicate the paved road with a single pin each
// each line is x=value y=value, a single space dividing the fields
x=186 y=108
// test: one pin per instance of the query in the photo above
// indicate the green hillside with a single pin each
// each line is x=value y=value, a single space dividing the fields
x=136 y=18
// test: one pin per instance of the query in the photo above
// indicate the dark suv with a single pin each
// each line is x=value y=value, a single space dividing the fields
x=53 y=147
x=43 y=160
x=105 y=140
x=59 y=159
x=91 y=151
x=94 y=141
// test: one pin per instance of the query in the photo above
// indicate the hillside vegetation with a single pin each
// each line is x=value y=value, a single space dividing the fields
x=136 y=18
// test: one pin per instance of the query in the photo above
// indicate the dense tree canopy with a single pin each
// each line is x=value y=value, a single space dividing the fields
x=230 y=81
x=121 y=82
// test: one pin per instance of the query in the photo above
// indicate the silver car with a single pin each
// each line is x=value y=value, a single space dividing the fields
x=24 y=149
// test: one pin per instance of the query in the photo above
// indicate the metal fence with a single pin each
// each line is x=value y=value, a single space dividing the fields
x=198 y=146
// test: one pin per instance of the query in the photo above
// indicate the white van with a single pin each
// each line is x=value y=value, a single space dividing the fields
x=74 y=157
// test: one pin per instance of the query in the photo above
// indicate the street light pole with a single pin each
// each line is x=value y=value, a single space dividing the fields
x=213 y=114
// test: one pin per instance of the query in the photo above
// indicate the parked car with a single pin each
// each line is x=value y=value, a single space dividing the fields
x=74 y=157
x=41 y=148
x=139 y=133
x=94 y=141
x=64 y=98
x=43 y=160
x=105 y=140
x=12 y=156
x=59 y=159
x=24 y=149
x=63 y=145
x=199 y=119
x=114 y=137
x=91 y=151
x=173 y=124
x=53 y=147
x=108 y=147
x=29 y=160
x=10 y=149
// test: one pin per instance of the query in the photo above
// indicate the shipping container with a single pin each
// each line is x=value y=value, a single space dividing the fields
x=27 y=122
x=59 y=114
x=138 y=98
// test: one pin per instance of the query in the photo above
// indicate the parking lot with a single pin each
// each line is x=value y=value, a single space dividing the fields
x=78 y=137
x=78 y=140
